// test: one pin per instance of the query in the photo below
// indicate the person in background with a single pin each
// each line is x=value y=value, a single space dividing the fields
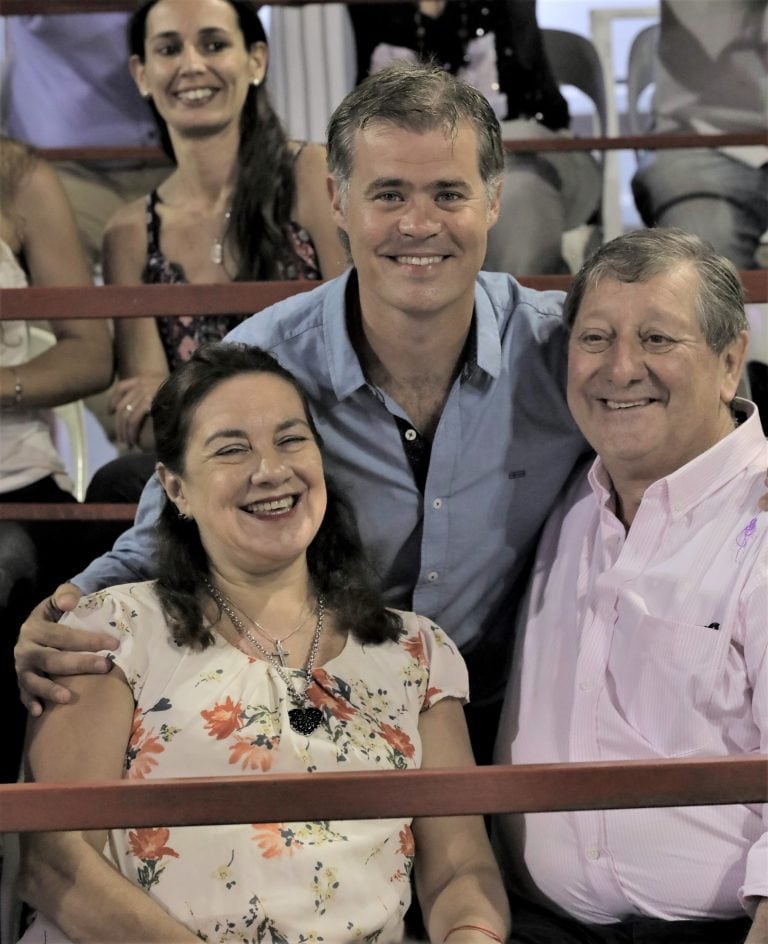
x=645 y=634
x=66 y=86
x=242 y=203
x=254 y=550
x=710 y=78
x=38 y=245
x=497 y=47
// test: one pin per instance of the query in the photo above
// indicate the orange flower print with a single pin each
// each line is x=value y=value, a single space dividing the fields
x=397 y=739
x=407 y=845
x=271 y=839
x=414 y=646
x=149 y=844
x=142 y=745
x=431 y=696
x=321 y=694
x=223 y=718
x=252 y=755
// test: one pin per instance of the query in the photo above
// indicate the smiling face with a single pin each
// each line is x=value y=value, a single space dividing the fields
x=196 y=66
x=417 y=216
x=253 y=476
x=644 y=387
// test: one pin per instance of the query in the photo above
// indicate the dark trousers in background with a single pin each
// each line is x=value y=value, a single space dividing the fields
x=56 y=551
x=532 y=924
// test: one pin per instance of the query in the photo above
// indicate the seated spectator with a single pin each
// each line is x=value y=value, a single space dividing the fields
x=646 y=624
x=253 y=553
x=497 y=47
x=36 y=228
x=710 y=79
x=242 y=203
x=66 y=86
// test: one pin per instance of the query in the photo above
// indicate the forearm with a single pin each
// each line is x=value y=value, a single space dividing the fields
x=70 y=882
x=758 y=933
x=472 y=894
x=74 y=367
x=132 y=555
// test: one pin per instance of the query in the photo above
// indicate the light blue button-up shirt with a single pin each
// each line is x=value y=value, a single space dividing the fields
x=502 y=451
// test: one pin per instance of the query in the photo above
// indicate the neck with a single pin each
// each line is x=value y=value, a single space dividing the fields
x=273 y=599
x=415 y=359
x=206 y=169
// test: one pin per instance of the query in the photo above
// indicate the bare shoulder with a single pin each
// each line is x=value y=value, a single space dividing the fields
x=310 y=167
x=130 y=216
x=124 y=245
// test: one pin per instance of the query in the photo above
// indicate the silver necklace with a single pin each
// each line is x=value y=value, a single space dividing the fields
x=303 y=718
x=278 y=651
x=217 y=249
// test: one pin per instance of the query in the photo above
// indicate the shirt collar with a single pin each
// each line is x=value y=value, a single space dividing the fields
x=346 y=374
x=483 y=347
x=691 y=484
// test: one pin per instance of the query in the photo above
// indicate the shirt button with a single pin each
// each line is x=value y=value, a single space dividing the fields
x=437 y=504
x=585 y=686
x=410 y=434
x=432 y=576
x=593 y=853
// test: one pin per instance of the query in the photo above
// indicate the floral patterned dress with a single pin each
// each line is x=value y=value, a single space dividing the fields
x=222 y=713
x=181 y=335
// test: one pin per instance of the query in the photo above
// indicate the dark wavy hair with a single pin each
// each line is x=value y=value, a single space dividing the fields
x=337 y=564
x=265 y=184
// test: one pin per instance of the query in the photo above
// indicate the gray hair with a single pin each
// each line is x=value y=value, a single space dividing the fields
x=644 y=253
x=419 y=98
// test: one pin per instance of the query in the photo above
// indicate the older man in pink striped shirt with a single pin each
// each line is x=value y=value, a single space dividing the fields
x=646 y=629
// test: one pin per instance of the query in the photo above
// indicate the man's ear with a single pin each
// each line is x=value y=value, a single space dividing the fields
x=494 y=206
x=732 y=362
x=338 y=207
x=173 y=486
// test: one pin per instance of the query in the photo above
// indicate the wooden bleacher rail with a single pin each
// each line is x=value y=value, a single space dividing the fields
x=29 y=7
x=133 y=301
x=375 y=794
x=239 y=298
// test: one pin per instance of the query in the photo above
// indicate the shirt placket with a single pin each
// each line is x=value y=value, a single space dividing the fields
x=597 y=623
x=430 y=592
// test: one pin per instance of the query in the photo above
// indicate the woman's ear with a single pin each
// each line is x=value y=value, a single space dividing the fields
x=173 y=486
x=259 y=57
x=136 y=67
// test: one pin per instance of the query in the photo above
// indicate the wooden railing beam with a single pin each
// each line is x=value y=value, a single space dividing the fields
x=375 y=794
x=238 y=298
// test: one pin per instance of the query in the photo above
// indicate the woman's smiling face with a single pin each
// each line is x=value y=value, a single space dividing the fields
x=196 y=66
x=253 y=476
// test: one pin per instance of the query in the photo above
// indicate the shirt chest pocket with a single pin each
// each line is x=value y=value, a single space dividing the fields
x=661 y=675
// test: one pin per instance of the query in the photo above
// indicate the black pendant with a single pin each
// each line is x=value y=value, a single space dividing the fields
x=305 y=720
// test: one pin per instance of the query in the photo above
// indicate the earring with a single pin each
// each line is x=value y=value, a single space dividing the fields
x=255 y=82
x=146 y=95
x=182 y=516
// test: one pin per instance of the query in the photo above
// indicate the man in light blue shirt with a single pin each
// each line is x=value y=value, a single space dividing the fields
x=438 y=391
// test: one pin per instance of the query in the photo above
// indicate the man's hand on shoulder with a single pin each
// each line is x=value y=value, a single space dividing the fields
x=44 y=649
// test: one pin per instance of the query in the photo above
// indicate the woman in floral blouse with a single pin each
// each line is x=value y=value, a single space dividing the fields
x=262 y=646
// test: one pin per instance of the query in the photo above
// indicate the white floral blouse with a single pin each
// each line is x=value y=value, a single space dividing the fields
x=221 y=713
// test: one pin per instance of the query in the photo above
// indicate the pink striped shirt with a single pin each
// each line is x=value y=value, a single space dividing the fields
x=647 y=644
